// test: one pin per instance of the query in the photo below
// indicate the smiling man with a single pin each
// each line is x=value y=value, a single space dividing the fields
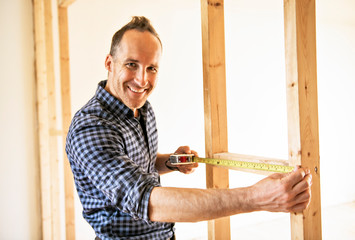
x=133 y=68
x=112 y=146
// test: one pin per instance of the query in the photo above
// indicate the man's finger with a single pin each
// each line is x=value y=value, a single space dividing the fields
x=304 y=196
x=183 y=149
x=299 y=207
x=304 y=184
x=194 y=153
x=295 y=177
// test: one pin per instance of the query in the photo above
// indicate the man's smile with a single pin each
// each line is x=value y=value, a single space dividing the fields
x=137 y=90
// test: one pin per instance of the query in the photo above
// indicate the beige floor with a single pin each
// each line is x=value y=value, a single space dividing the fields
x=338 y=223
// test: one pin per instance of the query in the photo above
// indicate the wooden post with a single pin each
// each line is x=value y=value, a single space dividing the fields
x=65 y=3
x=302 y=105
x=46 y=108
x=214 y=85
x=66 y=119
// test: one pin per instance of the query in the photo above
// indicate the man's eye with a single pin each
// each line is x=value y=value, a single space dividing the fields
x=131 y=65
x=153 y=69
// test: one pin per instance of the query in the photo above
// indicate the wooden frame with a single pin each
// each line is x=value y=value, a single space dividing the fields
x=301 y=78
x=48 y=150
x=215 y=106
x=66 y=115
x=46 y=108
x=302 y=107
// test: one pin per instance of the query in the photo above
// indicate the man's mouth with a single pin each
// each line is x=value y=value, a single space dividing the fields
x=137 y=90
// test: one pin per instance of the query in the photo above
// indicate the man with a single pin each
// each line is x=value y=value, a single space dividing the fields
x=112 y=149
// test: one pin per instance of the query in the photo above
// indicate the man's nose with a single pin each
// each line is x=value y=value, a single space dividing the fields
x=142 y=77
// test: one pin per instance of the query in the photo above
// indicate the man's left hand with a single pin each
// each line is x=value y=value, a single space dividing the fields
x=186 y=168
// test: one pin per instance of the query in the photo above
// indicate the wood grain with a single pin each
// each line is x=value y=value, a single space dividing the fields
x=214 y=89
x=302 y=107
x=46 y=111
x=66 y=119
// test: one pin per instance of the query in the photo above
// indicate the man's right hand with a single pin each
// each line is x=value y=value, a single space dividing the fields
x=283 y=192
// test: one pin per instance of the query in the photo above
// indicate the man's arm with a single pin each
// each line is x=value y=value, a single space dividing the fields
x=160 y=163
x=276 y=193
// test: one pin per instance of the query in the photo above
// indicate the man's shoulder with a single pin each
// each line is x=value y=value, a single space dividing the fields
x=149 y=109
x=93 y=113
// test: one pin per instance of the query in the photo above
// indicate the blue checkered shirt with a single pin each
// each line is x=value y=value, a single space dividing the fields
x=114 y=168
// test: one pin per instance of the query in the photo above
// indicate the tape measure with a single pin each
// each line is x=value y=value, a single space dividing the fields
x=179 y=159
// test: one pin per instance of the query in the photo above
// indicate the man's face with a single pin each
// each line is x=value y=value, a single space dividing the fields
x=134 y=68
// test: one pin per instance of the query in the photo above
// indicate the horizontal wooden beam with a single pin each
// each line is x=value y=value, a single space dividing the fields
x=250 y=158
x=65 y=3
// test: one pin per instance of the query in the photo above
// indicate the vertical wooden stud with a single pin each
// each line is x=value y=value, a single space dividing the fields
x=214 y=85
x=302 y=104
x=46 y=107
x=65 y=3
x=66 y=119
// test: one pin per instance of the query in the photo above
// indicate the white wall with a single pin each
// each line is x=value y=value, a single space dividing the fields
x=19 y=174
x=255 y=84
x=336 y=85
x=256 y=95
x=178 y=97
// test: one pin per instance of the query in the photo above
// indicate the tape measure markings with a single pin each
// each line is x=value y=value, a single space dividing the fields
x=247 y=165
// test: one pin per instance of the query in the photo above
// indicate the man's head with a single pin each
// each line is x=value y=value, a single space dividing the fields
x=140 y=24
x=133 y=63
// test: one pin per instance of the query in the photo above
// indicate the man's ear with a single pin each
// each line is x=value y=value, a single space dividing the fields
x=108 y=62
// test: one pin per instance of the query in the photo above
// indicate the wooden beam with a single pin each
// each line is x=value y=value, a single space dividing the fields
x=214 y=85
x=250 y=158
x=66 y=119
x=65 y=3
x=302 y=105
x=46 y=108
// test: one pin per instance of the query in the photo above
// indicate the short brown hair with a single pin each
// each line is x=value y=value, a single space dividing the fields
x=137 y=23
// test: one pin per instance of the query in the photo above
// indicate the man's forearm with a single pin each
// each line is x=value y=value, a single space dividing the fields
x=160 y=163
x=192 y=205
x=288 y=192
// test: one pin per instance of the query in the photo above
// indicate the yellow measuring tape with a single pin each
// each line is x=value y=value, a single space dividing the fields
x=178 y=159
x=242 y=164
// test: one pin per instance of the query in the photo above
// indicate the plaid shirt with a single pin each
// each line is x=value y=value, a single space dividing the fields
x=114 y=168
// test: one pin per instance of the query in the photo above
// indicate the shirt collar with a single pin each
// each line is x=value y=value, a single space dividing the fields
x=114 y=105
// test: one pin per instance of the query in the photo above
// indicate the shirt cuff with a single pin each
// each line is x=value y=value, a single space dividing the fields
x=141 y=206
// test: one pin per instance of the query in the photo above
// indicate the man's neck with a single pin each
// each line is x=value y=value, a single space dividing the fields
x=136 y=112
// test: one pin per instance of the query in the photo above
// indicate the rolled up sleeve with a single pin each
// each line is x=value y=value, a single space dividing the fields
x=98 y=151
